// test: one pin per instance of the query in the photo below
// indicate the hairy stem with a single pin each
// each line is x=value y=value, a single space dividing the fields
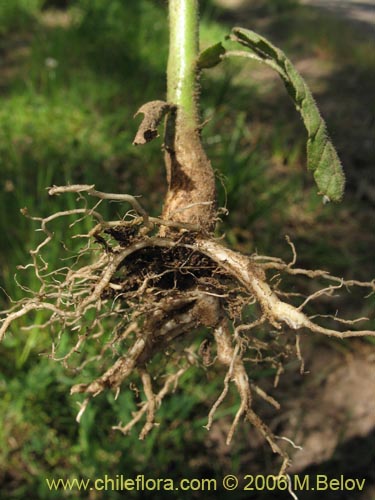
x=191 y=196
x=183 y=51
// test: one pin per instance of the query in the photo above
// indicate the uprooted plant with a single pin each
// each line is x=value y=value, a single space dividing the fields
x=143 y=285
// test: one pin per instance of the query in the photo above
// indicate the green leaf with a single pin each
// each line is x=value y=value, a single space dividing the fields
x=322 y=158
x=211 y=56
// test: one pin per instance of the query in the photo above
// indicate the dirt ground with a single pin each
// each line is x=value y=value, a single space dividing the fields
x=330 y=410
x=356 y=10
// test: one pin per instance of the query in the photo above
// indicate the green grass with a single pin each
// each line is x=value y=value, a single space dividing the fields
x=67 y=105
x=19 y=15
x=67 y=117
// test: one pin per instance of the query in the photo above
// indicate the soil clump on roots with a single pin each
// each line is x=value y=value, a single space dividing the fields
x=139 y=292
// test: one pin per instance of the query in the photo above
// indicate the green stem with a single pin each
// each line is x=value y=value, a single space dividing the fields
x=183 y=52
x=191 y=195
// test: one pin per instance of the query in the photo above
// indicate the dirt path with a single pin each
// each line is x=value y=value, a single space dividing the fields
x=357 y=10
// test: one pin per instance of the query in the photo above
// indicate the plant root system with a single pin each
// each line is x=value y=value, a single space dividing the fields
x=139 y=292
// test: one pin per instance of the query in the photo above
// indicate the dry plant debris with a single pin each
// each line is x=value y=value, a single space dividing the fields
x=143 y=285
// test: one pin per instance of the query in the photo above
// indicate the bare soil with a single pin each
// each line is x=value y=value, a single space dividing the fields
x=330 y=410
x=355 y=10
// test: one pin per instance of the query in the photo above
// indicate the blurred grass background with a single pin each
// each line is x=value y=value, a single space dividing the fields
x=72 y=75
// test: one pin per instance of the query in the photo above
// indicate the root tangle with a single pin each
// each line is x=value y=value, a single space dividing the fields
x=137 y=293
